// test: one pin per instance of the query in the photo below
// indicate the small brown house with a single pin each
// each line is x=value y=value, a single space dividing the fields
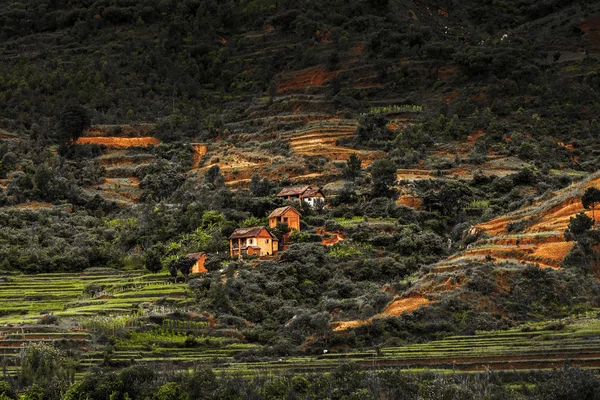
x=200 y=258
x=253 y=241
x=286 y=215
x=311 y=195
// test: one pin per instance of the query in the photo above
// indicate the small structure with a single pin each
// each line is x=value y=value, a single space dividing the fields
x=198 y=267
x=311 y=195
x=253 y=241
x=286 y=215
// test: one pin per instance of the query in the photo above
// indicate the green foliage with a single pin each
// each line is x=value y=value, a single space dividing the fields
x=171 y=391
x=396 y=109
x=372 y=129
x=73 y=120
x=383 y=176
x=353 y=168
x=590 y=199
x=579 y=228
x=42 y=364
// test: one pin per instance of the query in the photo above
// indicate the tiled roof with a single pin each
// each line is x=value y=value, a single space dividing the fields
x=312 y=192
x=242 y=233
x=293 y=191
x=278 y=212
x=195 y=256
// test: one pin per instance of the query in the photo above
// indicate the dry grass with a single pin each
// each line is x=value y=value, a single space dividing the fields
x=120 y=141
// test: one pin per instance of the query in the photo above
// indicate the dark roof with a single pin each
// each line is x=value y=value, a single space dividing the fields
x=278 y=212
x=304 y=191
x=242 y=233
x=195 y=256
x=312 y=192
x=293 y=191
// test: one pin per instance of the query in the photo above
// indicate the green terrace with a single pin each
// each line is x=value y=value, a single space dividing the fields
x=23 y=297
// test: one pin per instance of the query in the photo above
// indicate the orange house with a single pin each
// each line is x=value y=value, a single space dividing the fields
x=253 y=241
x=200 y=258
x=286 y=215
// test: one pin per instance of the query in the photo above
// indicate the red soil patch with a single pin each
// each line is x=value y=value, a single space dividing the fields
x=448 y=71
x=33 y=205
x=479 y=97
x=120 y=141
x=358 y=49
x=139 y=130
x=396 y=308
x=592 y=27
x=462 y=172
x=451 y=97
x=199 y=152
x=294 y=81
x=334 y=238
x=474 y=136
x=323 y=36
x=410 y=201
x=554 y=251
x=6 y=136
x=401 y=306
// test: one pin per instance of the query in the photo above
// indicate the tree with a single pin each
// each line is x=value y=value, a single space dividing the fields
x=182 y=264
x=171 y=391
x=42 y=364
x=260 y=188
x=383 y=176
x=372 y=127
x=153 y=258
x=71 y=123
x=583 y=254
x=590 y=199
x=214 y=177
x=454 y=195
x=280 y=231
x=352 y=168
x=578 y=228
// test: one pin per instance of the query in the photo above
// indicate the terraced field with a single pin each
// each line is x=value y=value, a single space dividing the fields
x=541 y=240
x=140 y=304
x=320 y=139
x=24 y=297
x=121 y=184
x=531 y=348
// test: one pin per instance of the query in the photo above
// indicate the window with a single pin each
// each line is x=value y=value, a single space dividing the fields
x=266 y=240
x=285 y=220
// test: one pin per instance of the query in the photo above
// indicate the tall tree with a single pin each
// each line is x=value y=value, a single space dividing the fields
x=590 y=199
x=383 y=175
x=73 y=120
x=353 y=167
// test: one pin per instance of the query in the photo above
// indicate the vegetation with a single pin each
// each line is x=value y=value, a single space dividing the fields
x=427 y=122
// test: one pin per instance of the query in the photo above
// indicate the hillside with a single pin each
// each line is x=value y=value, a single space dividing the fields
x=452 y=142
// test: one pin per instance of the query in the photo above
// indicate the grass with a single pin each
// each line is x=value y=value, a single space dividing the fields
x=529 y=347
x=359 y=220
x=24 y=297
x=396 y=109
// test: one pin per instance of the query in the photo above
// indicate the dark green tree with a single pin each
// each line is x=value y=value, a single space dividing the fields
x=578 y=228
x=214 y=177
x=182 y=264
x=372 y=127
x=590 y=199
x=73 y=120
x=152 y=258
x=352 y=168
x=383 y=176
x=260 y=188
